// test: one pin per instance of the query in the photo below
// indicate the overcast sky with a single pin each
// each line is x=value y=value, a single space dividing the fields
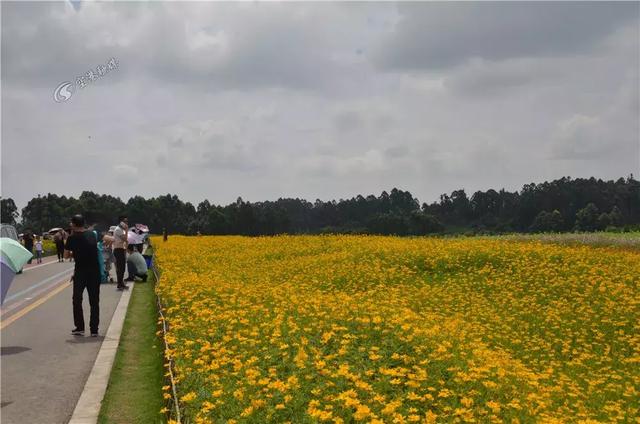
x=316 y=100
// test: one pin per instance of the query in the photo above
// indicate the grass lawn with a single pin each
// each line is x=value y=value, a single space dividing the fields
x=134 y=393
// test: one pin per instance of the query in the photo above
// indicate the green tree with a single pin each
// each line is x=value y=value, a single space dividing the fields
x=587 y=218
x=603 y=221
x=615 y=217
x=421 y=223
x=391 y=223
x=9 y=211
x=547 y=222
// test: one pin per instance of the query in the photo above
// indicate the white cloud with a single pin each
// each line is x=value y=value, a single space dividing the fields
x=579 y=137
x=368 y=162
x=126 y=174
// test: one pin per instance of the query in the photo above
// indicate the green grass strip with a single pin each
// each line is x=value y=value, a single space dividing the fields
x=134 y=393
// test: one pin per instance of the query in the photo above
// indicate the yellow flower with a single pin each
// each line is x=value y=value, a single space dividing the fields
x=362 y=412
x=272 y=321
x=494 y=406
x=188 y=397
x=430 y=417
x=467 y=402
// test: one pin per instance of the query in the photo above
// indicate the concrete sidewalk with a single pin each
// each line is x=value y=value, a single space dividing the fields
x=44 y=368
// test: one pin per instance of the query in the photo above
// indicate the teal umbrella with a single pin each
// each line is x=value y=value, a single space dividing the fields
x=13 y=254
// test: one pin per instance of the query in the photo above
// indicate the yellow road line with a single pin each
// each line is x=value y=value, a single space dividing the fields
x=32 y=306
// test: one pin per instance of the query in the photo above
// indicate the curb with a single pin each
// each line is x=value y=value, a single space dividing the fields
x=88 y=406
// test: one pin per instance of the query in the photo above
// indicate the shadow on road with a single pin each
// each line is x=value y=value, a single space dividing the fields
x=80 y=339
x=12 y=350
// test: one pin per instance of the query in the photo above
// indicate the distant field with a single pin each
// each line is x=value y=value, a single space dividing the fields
x=48 y=247
x=625 y=240
x=338 y=329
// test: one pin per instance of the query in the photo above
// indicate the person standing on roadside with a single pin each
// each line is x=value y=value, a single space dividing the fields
x=119 y=252
x=107 y=252
x=58 y=238
x=82 y=245
x=38 y=250
x=28 y=243
x=65 y=235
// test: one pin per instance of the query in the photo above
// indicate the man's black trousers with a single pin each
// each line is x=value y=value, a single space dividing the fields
x=121 y=260
x=60 y=249
x=90 y=281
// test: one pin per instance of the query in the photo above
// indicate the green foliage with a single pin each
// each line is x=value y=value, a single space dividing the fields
x=548 y=222
x=8 y=211
x=587 y=218
x=615 y=217
x=557 y=206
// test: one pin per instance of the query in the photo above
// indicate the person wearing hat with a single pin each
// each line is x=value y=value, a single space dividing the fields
x=82 y=245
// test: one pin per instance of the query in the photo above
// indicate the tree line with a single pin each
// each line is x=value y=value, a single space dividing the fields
x=561 y=205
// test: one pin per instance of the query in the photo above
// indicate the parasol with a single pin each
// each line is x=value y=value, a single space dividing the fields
x=134 y=237
x=14 y=254
x=142 y=228
x=6 y=278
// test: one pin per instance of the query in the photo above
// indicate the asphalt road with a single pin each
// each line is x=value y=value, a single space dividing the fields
x=43 y=367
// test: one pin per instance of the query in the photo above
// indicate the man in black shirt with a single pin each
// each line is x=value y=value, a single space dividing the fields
x=82 y=245
x=28 y=243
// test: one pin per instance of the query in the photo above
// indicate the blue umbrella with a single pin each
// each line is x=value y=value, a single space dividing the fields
x=6 y=278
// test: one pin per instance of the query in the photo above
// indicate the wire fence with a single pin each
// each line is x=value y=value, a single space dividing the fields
x=173 y=410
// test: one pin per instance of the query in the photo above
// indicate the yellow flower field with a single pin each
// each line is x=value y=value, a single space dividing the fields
x=368 y=329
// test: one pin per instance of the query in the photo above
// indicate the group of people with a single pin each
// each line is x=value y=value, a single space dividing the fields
x=30 y=242
x=34 y=244
x=116 y=248
x=92 y=253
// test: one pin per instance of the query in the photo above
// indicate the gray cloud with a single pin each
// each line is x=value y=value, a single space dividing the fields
x=161 y=160
x=440 y=35
x=482 y=78
x=395 y=152
x=347 y=121
x=317 y=100
x=229 y=157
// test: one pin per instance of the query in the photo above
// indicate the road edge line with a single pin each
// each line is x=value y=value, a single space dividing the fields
x=5 y=322
x=27 y=268
x=88 y=407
